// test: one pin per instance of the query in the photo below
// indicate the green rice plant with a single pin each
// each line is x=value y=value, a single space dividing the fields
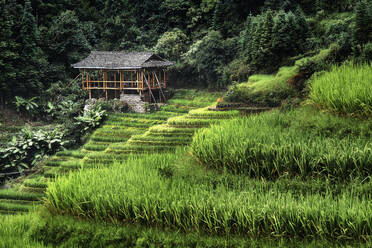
x=346 y=89
x=166 y=129
x=31 y=189
x=21 y=202
x=163 y=141
x=169 y=135
x=95 y=147
x=108 y=139
x=36 y=183
x=137 y=148
x=70 y=153
x=18 y=195
x=72 y=164
x=50 y=172
x=139 y=191
x=129 y=123
x=173 y=109
x=102 y=158
x=14 y=229
x=54 y=162
x=156 y=116
x=183 y=121
x=146 y=137
x=267 y=146
x=109 y=132
x=16 y=207
x=64 y=231
x=207 y=114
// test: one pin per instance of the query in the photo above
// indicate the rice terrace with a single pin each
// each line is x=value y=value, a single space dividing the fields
x=193 y=123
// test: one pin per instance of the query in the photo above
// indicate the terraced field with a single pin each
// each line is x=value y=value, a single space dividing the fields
x=120 y=135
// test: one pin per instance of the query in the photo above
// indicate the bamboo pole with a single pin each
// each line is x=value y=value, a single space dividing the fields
x=153 y=80
x=82 y=80
x=165 y=80
x=148 y=80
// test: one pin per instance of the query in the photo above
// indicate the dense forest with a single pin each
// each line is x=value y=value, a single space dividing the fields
x=214 y=42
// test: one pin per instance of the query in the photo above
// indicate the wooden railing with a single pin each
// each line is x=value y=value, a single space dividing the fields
x=119 y=85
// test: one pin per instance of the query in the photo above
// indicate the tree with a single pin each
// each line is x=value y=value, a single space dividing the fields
x=65 y=44
x=208 y=56
x=363 y=22
x=32 y=58
x=172 y=44
x=8 y=53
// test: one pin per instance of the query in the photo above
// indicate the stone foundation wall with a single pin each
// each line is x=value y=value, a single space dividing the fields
x=134 y=101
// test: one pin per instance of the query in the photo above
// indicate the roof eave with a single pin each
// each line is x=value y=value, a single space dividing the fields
x=105 y=68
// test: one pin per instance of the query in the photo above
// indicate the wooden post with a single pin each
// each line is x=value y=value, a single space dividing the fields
x=89 y=86
x=148 y=80
x=142 y=75
x=82 y=79
x=153 y=80
x=165 y=80
x=105 y=84
x=121 y=80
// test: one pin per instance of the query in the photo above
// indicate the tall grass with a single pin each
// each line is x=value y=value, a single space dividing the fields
x=158 y=190
x=63 y=231
x=13 y=231
x=346 y=89
x=273 y=144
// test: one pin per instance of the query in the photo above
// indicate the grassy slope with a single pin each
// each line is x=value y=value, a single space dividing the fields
x=264 y=90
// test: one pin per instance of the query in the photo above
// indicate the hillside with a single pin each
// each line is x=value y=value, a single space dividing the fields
x=265 y=140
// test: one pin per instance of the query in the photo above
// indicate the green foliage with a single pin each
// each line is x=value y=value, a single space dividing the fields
x=65 y=43
x=346 y=89
x=264 y=90
x=81 y=124
x=172 y=44
x=32 y=59
x=91 y=119
x=363 y=18
x=278 y=144
x=8 y=52
x=24 y=151
x=274 y=35
x=28 y=106
x=206 y=55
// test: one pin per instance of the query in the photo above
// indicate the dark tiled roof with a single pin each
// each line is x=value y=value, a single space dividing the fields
x=121 y=60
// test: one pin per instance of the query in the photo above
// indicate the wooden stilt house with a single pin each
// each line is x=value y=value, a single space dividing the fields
x=111 y=74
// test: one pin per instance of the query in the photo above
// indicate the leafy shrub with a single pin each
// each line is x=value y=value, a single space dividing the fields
x=29 y=147
x=346 y=89
x=80 y=125
x=28 y=106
